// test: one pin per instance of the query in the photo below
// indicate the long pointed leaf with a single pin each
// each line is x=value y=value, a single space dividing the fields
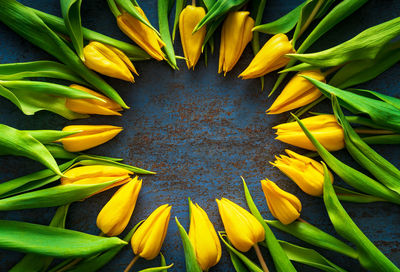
x=71 y=11
x=163 y=15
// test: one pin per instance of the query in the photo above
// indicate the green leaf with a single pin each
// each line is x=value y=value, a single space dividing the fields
x=314 y=236
x=19 y=143
x=71 y=12
x=283 y=24
x=51 y=241
x=178 y=9
x=236 y=262
x=157 y=269
x=59 y=152
x=38 y=263
x=190 y=256
x=369 y=256
x=383 y=139
x=250 y=264
x=163 y=15
x=281 y=260
x=309 y=257
x=49 y=136
x=348 y=195
x=350 y=175
x=26 y=23
x=53 y=196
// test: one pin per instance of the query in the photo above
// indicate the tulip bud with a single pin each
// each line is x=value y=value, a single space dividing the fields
x=242 y=228
x=297 y=93
x=115 y=215
x=105 y=106
x=88 y=136
x=323 y=127
x=204 y=238
x=96 y=174
x=191 y=43
x=235 y=35
x=109 y=61
x=307 y=173
x=271 y=57
x=141 y=34
x=148 y=238
x=284 y=206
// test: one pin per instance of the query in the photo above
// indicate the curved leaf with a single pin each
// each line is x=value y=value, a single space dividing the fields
x=71 y=12
x=163 y=24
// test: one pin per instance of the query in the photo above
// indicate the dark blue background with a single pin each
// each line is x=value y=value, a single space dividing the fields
x=200 y=131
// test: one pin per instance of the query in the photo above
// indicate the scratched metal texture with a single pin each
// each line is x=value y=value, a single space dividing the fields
x=200 y=131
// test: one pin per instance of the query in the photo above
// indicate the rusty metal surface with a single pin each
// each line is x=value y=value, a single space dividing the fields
x=199 y=131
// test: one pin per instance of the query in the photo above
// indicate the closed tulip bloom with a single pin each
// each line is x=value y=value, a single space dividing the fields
x=109 y=61
x=297 y=93
x=105 y=106
x=191 y=43
x=204 y=238
x=307 y=173
x=235 y=35
x=115 y=215
x=88 y=136
x=148 y=238
x=141 y=34
x=242 y=228
x=323 y=127
x=271 y=57
x=284 y=206
x=96 y=174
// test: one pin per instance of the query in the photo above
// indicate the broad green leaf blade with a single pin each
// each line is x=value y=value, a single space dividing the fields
x=348 y=195
x=51 y=241
x=164 y=32
x=71 y=12
x=18 y=143
x=281 y=260
x=59 y=152
x=383 y=139
x=283 y=24
x=369 y=256
x=52 y=197
x=350 y=175
x=394 y=101
x=250 y=265
x=38 y=263
x=43 y=68
x=178 y=9
x=314 y=236
x=309 y=257
x=190 y=256
x=48 y=136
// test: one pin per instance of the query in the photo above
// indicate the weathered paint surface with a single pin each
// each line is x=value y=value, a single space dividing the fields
x=200 y=131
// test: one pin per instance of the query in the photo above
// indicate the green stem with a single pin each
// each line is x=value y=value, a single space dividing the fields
x=310 y=18
x=71 y=264
x=131 y=263
x=114 y=8
x=260 y=258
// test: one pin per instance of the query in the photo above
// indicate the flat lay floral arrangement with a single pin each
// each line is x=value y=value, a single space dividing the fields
x=72 y=84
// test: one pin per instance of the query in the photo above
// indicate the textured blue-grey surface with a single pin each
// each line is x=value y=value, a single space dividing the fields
x=200 y=131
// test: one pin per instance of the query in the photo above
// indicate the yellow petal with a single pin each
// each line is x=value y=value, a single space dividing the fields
x=93 y=171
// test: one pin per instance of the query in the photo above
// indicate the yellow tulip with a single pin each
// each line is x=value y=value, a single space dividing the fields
x=96 y=174
x=115 y=215
x=284 y=206
x=235 y=35
x=297 y=93
x=323 y=127
x=191 y=43
x=148 y=238
x=105 y=106
x=270 y=58
x=109 y=61
x=204 y=238
x=141 y=34
x=307 y=173
x=88 y=136
x=242 y=228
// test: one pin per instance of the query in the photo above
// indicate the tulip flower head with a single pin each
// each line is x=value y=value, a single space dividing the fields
x=323 y=127
x=297 y=93
x=242 y=228
x=307 y=173
x=141 y=34
x=96 y=174
x=115 y=215
x=109 y=61
x=284 y=206
x=105 y=106
x=191 y=42
x=235 y=35
x=148 y=238
x=271 y=57
x=204 y=238
x=88 y=136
